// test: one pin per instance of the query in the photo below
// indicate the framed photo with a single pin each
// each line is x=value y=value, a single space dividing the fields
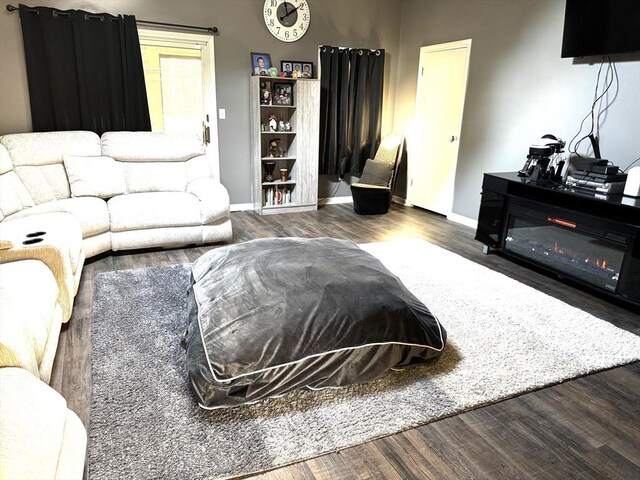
x=282 y=94
x=307 y=70
x=296 y=69
x=260 y=64
x=286 y=67
x=265 y=94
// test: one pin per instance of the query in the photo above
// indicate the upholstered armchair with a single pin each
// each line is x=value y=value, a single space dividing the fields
x=373 y=192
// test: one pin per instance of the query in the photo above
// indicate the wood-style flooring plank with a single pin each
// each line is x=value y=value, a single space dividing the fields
x=584 y=428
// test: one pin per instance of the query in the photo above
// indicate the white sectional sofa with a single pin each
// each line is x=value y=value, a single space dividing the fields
x=64 y=197
x=128 y=189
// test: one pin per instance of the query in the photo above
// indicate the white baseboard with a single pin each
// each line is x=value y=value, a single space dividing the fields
x=469 y=222
x=240 y=207
x=331 y=200
x=400 y=200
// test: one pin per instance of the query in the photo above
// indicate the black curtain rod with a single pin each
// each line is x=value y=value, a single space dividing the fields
x=11 y=8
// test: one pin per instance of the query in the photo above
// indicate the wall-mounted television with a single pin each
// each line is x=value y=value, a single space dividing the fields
x=601 y=27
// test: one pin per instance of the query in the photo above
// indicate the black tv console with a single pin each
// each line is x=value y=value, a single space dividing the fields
x=591 y=239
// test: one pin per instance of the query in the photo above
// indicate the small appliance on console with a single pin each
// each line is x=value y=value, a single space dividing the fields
x=595 y=175
x=544 y=163
x=632 y=187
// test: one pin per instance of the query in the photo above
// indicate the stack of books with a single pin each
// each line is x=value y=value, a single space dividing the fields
x=597 y=177
x=276 y=196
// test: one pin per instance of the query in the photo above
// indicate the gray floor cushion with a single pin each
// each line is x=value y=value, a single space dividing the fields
x=272 y=315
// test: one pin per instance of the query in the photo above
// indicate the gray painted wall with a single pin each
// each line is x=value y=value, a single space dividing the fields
x=352 y=23
x=519 y=88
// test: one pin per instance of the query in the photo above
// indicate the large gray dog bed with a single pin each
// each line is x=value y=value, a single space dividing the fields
x=272 y=315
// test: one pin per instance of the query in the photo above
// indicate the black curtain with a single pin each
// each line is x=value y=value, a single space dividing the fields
x=84 y=71
x=351 y=87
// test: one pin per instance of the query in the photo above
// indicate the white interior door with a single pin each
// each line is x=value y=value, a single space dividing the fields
x=433 y=148
x=179 y=72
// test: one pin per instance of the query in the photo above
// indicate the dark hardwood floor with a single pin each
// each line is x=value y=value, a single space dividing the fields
x=588 y=428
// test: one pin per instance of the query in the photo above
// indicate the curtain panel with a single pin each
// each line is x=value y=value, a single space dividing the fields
x=351 y=86
x=84 y=71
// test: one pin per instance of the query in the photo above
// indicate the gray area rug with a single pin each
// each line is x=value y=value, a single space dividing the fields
x=504 y=339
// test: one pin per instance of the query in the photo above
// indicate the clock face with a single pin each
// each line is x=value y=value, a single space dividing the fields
x=287 y=20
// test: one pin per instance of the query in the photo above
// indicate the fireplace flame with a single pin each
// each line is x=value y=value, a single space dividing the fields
x=557 y=248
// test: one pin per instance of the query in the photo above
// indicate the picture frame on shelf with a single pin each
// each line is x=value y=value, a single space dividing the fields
x=282 y=94
x=307 y=70
x=260 y=64
x=296 y=69
x=265 y=94
x=286 y=67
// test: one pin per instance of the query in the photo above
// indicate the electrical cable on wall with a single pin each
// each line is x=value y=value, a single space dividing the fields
x=611 y=76
x=335 y=190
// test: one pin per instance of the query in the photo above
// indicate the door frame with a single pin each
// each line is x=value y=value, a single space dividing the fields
x=460 y=44
x=170 y=38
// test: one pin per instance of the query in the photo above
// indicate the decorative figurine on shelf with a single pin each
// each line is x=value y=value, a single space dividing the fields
x=273 y=123
x=281 y=126
x=269 y=167
x=282 y=74
x=287 y=127
x=275 y=150
x=273 y=71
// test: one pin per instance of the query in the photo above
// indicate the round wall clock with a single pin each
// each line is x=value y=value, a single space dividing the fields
x=287 y=20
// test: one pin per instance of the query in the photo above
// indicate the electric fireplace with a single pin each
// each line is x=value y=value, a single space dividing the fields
x=589 y=240
x=565 y=247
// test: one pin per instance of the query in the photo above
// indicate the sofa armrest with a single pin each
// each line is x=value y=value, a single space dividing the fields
x=213 y=196
x=51 y=248
x=40 y=436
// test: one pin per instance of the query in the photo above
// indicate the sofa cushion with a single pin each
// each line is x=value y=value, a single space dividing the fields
x=214 y=199
x=151 y=147
x=5 y=160
x=137 y=211
x=101 y=177
x=74 y=447
x=45 y=183
x=13 y=195
x=47 y=148
x=37 y=159
x=377 y=172
x=27 y=320
x=144 y=177
x=91 y=212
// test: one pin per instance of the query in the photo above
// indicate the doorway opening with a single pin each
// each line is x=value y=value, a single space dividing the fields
x=179 y=72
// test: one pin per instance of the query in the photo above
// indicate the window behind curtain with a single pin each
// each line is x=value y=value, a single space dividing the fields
x=84 y=71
